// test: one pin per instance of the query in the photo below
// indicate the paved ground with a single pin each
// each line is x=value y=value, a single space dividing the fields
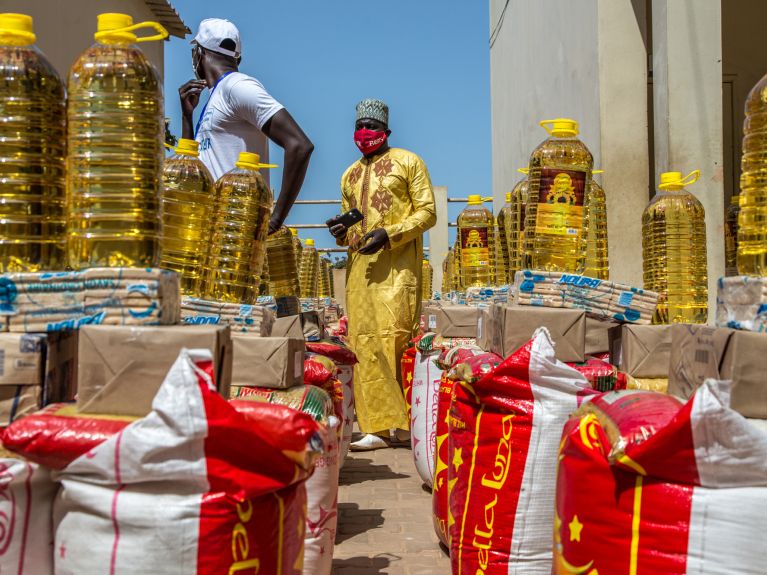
x=385 y=523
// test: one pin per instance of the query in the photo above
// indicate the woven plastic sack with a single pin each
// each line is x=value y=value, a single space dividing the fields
x=423 y=415
x=346 y=377
x=335 y=350
x=193 y=487
x=503 y=438
x=450 y=356
x=601 y=374
x=474 y=367
x=441 y=488
x=26 y=508
x=672 y=488
x=407 y=365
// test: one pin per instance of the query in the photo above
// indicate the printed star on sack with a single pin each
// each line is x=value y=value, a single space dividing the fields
x=416 y=441
x=317 y=527
x=417 y=401
x=347 y=421
x=62 y=551
x=410 y=377
x=575 y=528
x=458 y=458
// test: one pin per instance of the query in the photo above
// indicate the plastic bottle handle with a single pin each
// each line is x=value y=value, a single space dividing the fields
x=161 y=35
x=690 y=178
x=524 y=171
x=545 y=125
x=251 y=166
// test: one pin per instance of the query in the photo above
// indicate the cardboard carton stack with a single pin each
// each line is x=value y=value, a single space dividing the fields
x=599 y=298
x=22 y=374
x=242 y=318
x=55 y=301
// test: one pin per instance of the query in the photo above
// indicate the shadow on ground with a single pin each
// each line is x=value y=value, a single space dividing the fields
x=357 y=470
x=364 y=565
x=353 y=521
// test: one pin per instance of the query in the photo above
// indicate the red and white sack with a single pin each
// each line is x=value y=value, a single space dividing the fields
x=441 y=489
x=503 y=438
x=647 y=484
x=26 y=509
x=407 y=366
x=346 y=377
x=423 y=415
x=195 y=487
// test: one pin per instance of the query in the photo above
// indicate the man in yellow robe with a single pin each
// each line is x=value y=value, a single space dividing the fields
x=392 y=189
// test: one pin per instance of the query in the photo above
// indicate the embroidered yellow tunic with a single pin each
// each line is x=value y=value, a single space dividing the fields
x=383 y=299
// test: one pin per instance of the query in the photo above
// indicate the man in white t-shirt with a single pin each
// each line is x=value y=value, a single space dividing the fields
x=240 y=114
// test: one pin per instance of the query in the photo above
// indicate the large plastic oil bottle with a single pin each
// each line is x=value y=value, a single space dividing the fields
x=731 y=236
x=32 y=153
x=674 y=251
x=323 y=280
x=283 y=271
x=298 y=247
x=500 y=272
x=457 y=287
x=188 y=192
x=238 y=230
x=559 y=181
x=115 y=149
x=503 y=226
x=597 y=257
x=752 y=232
x=447 y=272
x=476 y=239
x=516 y=225
x=309 y=272
x=427 y=280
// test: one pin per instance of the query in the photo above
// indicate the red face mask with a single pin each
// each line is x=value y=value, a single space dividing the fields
x=368 y=141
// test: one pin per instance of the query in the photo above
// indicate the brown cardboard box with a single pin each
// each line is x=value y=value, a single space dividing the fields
x=701 y=352
x=597 y=335
x=288 y=326
x=313 y=324
x=274 y=362
x=120 y=368
x=60 y=367
x=515 y=326
x=22 y=359
x=486 y=328
x=641 y=350
x=19 y=400
x=452 y=320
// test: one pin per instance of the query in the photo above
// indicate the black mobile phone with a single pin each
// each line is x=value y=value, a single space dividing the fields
x=348 y=219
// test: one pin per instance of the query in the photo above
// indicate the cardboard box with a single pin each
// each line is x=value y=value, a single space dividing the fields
x=313 y=324
x=22 y=359
x=598 y=335
x=120 y=368
x=485 y=328
x=19 y=400
x=60 y=384
x=289 y=326
x=452 y=320
x=273 y=362
x=641 y=350
x=701 y=352
x=515 y=325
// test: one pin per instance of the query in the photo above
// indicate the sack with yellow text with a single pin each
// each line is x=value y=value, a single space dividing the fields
x=504 y=431
x=195 y=487
x=441 y=487
x=423 y=414
x=648 y=484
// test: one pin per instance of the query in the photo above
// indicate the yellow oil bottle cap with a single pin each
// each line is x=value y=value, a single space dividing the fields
x=508 y=197
x=115 y=28
x=561 y=127
x=251 y=161
x=475 y=200
x=309 y=243
x=675 y=181
x=187 y=147
x=16 y=30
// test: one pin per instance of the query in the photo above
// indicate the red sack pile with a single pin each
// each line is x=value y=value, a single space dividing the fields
x=601 y=374
x=474 y=367
x=647 y=484
x=503 y=438
x=193 y=487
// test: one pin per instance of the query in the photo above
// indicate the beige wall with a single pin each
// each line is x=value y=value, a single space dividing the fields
x=65 y=28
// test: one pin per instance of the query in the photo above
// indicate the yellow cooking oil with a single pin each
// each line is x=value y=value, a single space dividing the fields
x=559 y=181
x=752 y=232
x=597 y=256
x=323 y=280
x=427 y=280
x=674 y=251
x=457 y=287
x=308 y=274
x=447 y=272
x=188 y=192
x=516 y=225
x=238 y=231
x=503 y=226
x=114 y=149
x=281 y=258
x=32 y=153
x=731 y=237
x=298 y=247
x=476 y=239
x=500 y=271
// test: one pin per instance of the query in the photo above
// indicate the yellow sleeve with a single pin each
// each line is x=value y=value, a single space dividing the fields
x=424 y=214
x=343 y=242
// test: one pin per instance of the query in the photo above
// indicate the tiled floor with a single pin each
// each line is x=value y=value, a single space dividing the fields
x=385 y=520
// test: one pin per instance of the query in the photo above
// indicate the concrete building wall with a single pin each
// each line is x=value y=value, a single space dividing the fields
x=65 y=28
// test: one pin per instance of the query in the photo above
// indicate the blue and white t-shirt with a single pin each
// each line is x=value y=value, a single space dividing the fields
x=231 y=122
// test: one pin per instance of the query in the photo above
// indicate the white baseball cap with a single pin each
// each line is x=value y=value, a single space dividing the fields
x=213 y=32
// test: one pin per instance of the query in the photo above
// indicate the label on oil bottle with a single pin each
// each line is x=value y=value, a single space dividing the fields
x=474 y=249
x=560 y=202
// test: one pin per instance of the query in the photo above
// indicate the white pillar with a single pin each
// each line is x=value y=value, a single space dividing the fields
x=687 y=95
x=624 y=134
x=438 y=240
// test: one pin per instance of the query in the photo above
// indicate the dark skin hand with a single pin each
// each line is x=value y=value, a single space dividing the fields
x=375 y=240
x=281 y=128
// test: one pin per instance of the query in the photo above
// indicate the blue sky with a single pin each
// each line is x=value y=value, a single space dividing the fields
x=428 y=59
